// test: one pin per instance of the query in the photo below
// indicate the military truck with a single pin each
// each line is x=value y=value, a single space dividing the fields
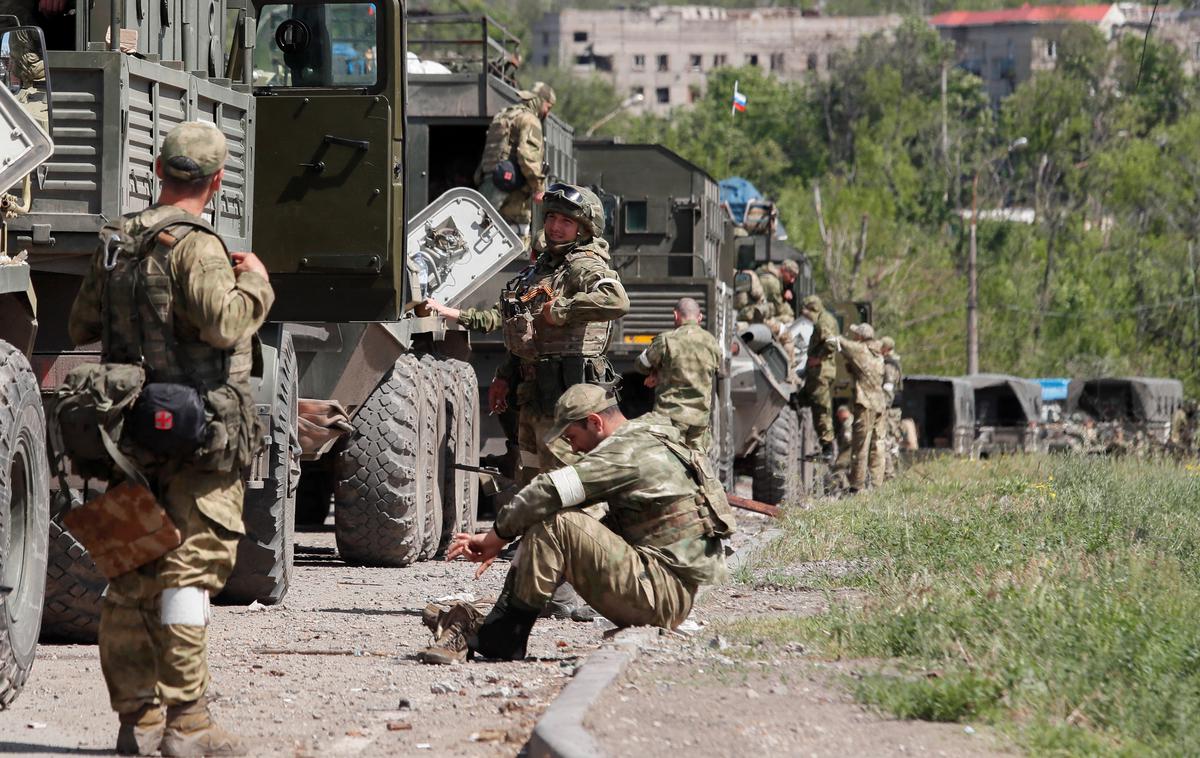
x=24 y=464
x=1130 y=413
x=942 y=410
x=1008 y=413
x=313 y=100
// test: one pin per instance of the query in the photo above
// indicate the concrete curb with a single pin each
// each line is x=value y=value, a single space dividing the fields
x=560 y=732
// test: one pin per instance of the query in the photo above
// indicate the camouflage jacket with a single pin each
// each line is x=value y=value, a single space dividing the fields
x=865 y=363
x=773 y=295
x=210 y=304
x=516 y=134
x=893 y=377
x=684 y=360
x=823 y=345
x=644 y=485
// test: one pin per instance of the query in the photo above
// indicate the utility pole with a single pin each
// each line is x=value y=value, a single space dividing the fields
x=973 y=285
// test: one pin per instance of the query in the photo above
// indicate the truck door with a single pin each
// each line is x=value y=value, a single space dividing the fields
x=329 y=134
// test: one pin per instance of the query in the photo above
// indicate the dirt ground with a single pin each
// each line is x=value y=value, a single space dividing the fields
x=696 y=694
x=370 y=698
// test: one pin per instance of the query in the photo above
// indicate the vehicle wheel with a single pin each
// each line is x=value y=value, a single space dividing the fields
x=720 y=454
x=459 y=488
x=314 y=494
x=434 y=428
x=776 y=475
x=379 y=503
x=808 y=452
x=74 y=589
x=264 y=560
x=24 y=519
x=468 y=441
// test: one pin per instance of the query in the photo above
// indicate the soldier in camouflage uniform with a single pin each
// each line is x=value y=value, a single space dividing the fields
x=515 y=135
x=821 y=370
x=641 y=565
x=893 y=384
x=173 y=300
x=865 y=363
x=681 y=365
x=1184 y=423
x=776 y=280
x=754 y=307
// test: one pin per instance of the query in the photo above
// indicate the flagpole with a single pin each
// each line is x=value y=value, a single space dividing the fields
x=733 y=105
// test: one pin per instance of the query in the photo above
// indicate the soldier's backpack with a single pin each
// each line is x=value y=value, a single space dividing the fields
x=89 y=414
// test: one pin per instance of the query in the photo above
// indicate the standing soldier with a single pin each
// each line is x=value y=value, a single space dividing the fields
x=893 y=384
x=821 y=370
x=865 y=363
x=661 y=540
x=512 y=171
x=162 y=293
x=681 y=364
x=557 y=319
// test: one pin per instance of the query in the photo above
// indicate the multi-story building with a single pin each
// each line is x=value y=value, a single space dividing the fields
x=666 y=52
x=1005 y=47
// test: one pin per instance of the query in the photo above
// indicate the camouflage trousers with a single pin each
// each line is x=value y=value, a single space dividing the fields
x=626 y=586
x=818 y=394
x=868 y=443
x=696 y=437
x=536 y=455
x=143 y=660
x=892 y=439
x=515 y=207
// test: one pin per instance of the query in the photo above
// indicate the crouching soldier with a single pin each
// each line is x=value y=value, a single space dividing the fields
x=641 y=565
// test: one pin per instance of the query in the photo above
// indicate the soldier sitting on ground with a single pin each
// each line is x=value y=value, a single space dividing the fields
x=642 y=565
x=681 y=365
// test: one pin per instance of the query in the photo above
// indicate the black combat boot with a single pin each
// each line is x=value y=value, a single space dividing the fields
x=504 y=634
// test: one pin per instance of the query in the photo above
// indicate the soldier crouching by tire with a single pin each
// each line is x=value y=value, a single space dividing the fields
x=557 y=317
x=165 y=300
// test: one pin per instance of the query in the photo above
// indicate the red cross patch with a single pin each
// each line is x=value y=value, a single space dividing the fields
x=163 y=420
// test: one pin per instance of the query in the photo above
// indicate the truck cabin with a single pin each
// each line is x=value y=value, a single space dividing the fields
x=942 y=409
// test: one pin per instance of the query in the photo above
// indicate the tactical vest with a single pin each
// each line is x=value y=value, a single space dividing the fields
x=137 y=305
x=527 y=335
x=501 y=143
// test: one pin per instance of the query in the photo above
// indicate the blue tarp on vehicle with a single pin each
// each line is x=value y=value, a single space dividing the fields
x=736 y=194
x=1053 y=390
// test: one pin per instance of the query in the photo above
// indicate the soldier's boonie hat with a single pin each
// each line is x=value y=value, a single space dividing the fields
x=812 y=303
x=193 y=150
x=578 y=203
x=888 y=343
x=790 y=266
x=576 y=404
x=864 y=331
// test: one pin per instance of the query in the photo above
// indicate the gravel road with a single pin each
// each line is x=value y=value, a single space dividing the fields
x=362 y=693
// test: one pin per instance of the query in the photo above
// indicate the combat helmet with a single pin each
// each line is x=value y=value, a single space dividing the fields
x=578 y=203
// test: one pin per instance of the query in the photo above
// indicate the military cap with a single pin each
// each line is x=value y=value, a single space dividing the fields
x=545 y=92
x=863 y=331
x=576 y=404
x=193 y=150
x=888 y=343
x=812 y=303
x=791 y=267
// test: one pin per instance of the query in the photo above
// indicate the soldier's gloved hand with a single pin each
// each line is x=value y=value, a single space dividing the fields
x=476 y=548
x=498 y=395
x=243 y=262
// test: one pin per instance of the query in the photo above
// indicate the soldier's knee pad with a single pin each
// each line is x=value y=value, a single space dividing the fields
x=185 y=606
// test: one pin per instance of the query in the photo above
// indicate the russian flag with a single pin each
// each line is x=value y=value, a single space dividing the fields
x=739 y=100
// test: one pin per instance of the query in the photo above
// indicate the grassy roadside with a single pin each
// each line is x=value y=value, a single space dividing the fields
x=1056 y=597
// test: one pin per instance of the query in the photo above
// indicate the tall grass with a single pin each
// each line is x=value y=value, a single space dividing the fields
x=1057 y=597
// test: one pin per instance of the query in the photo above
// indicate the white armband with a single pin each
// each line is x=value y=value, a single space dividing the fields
x=184 y=606
x=644 y=360
x=606 y=280
x=569 y=485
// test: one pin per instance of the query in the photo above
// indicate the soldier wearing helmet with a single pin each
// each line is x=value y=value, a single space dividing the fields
x=512 y=171
x=557 y=317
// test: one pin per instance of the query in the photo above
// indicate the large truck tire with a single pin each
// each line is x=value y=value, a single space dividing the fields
x=433 y=440
x=775 y=462
x=467 y=438
x=379 y=503
x=459 y=488
x=24 y=519
x=74 y=589
x=812 y=468
x=263 y=570
x=720 y=453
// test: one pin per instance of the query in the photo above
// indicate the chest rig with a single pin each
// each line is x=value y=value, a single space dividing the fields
x=137 y=305
x=528 y=335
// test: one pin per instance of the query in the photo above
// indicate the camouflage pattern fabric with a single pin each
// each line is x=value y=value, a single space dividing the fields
x=144 y=661
x=123 y=528
x=867 y=445
x=192 y=150
x=772 y=286
x=515 y=133
x=865 y=363
x=684 y=360
x=820 y=374
x=866 y=366
x=654 y=525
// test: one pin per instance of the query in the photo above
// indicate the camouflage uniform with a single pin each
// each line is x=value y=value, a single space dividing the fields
x=547 y=358
x=771 y=278
x=1183 y=430
x=30 y=70
x=865 y=363
x=186 y=281
x=821 y=373
x=684 y=361
x=893 y=383
x=752 y=299
x=644 y=563
x=516 y=134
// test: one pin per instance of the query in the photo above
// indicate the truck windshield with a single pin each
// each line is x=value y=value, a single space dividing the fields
x=317 y=45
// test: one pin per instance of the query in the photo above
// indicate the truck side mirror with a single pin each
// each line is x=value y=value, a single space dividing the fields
x=24 y=73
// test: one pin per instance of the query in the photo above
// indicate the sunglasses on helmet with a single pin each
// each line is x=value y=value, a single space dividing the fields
x=566 y=193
